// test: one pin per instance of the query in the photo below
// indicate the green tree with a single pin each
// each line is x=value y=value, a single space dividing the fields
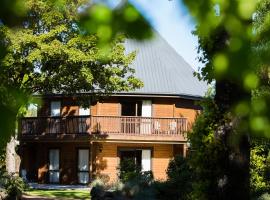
x=233 y=44
x=52 y=50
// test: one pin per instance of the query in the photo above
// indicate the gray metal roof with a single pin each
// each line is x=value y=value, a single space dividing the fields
x=162 y=70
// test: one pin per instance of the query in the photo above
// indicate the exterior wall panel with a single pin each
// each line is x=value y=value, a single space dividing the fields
x=108 y=108
x=37 y=164
x=107 y=160
x=163 y=108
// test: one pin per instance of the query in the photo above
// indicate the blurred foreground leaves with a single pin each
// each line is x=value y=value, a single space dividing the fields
x=235 y=47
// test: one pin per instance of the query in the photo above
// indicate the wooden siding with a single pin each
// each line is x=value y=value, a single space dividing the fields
x=69 y=107
x=188 y=109
x=108 y=108
x=103 y=156
x=107 y=160
x=163 y=108
x=35 y=161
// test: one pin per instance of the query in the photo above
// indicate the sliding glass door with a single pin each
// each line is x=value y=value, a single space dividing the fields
x=54 y=166
x=83 y=166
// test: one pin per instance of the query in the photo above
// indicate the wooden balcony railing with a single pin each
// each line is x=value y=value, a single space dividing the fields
x=103 y=125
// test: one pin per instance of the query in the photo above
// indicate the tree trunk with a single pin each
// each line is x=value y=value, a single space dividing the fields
x=236 y=177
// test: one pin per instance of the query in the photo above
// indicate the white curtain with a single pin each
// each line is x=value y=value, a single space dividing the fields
x=146 y=112
x=54 y=165
x=146 y=160
x=83 y=166
x=146 y=108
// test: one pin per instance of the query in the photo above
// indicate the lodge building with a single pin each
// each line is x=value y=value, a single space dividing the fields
x=68 y=144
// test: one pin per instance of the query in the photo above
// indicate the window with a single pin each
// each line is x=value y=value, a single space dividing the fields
x=131 y=108
x=139 y=158
x=54 y=166
x=137 y=108
x=54 y=124
x=32 y=110
x=83 y=166
x=55 y=108
x=84 y=111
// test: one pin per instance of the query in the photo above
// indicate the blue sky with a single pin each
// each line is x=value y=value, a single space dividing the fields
x=171 y=20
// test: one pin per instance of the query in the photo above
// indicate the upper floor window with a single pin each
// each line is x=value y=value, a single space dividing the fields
x=84 y=111
x=55 y=108
x=32 y=110
x=137 y=108
x=131 y=108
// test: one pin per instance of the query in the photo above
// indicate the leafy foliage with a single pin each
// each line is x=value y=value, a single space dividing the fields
x=50 y=53
x=260 y=167
x=234 y=46
x=12 y=183
x=178 y=185
x=50 y=50
x=207 y=155
x=128 y=170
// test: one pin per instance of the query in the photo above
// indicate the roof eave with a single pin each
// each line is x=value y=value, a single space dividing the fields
x=129 y=94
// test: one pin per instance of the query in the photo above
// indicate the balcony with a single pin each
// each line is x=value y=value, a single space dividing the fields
x=104 y=128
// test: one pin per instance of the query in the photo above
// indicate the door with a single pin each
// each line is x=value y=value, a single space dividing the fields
x=54 y=125
x=83 y=166
x=146 y=114
x=130 y=123
x=83 y=119
x=54 y=166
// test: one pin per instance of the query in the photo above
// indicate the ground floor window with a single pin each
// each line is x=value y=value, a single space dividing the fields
x=135 y=160
x=83 y=166
x=54 y=172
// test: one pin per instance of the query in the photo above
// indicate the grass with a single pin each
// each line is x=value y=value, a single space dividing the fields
x=60 y=194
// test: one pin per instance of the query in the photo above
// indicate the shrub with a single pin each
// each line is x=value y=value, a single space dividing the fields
x=98 y=189
x=178 y=185
x=128 y=170
x=260 y=167
x=133 y=184
x=13 y=184
x=264 y=196
x=140 y=186
x=10 y=184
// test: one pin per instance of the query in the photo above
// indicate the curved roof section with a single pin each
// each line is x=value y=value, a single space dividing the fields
x=162 y=70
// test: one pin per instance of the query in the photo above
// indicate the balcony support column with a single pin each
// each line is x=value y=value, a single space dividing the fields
x=185 y=149
x=91 y=162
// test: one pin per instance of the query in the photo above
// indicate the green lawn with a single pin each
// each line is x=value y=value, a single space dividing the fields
x=60 y=194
